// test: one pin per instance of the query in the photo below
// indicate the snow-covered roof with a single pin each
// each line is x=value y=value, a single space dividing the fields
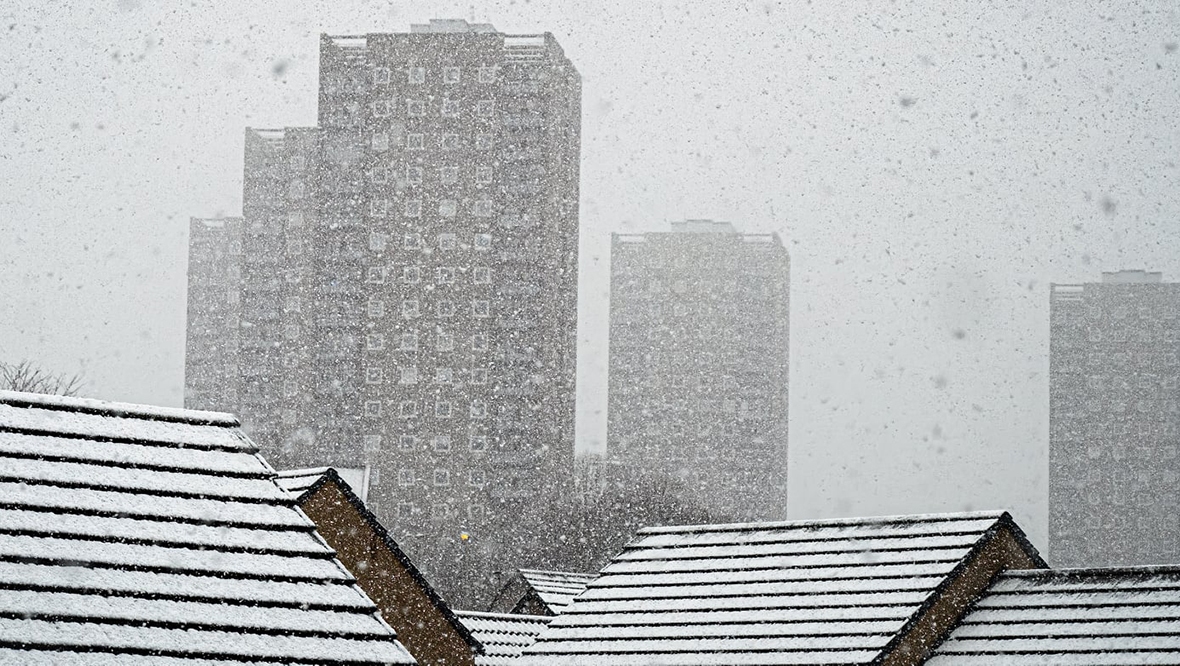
x=815 y=592
x=299 y=481
x=556 y=589
x=1071 y=617
x=503 y=635
x=131 y=534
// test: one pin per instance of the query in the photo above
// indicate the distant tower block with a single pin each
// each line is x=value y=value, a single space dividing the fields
x=698 y=365
x=1114 y=421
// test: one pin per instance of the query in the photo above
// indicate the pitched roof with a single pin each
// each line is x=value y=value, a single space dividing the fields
x=815 y=592
x=556 y=588
x=503 y=635
x=304 y=482
x=131 y=533
x=1071 y=616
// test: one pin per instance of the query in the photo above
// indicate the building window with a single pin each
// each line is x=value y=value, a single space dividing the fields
x=480 y=308
x=405 y=477
x=476 y=512
x=442 y=443
x=288 y=416
x=372 y=443
x=412 y=241
x=295 y=219
x=380 y=142
x=375 y=341
x=375 y=275
x=409 y=308
x=483 y=141
x=380 y=76
x=445 y=309
x=479 y=443
x=482 y=275
x=373 y=408
x=380 y=108
x=483 y=241
x=479 y=342
x=444 y=275
x=376 y=307
x=414 y=175
x=475 y=478
x=415 y=141
x=483 y=175
x=443 y=409
x=451 y=74
x=450 y=108
x=379 y=207
x=479 y=375
x=439 y=511
x=379 y=175
x=405 y=510
x=483 y=208
x=412 y=208
x=377 y=243
x=415 y=107
x=487 y=74
x=448 y=207
x=409 y=374
x=450 y=141
x=449 y=175
x=407 y=442
x=411 y=274
x=407 y=409
x=478 y=409
x=442 y=477
x=444 y=375
x=374 y=375
x=409 y=341
x=416 y=75
x=445 y=341
x=446 y=242
x=485 y=107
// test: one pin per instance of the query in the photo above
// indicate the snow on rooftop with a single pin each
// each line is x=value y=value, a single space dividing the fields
x=1071 y=617
x=811 y=592
x=556 y=589
x=502 y=635
x=130 y=532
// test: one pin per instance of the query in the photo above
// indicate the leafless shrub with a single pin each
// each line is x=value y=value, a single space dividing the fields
x=30 y=378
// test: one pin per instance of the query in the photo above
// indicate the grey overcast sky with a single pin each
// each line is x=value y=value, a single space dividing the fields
x=932 y=167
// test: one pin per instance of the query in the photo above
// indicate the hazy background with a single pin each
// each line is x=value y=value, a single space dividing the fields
x=931 y=167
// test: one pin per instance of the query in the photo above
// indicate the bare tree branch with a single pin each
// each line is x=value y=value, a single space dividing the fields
x=24 y=376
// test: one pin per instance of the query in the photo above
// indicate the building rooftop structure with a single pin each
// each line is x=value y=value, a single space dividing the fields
x=865 y=591
x=1071 y=617
x=503 y=635
x=537 y=592
x=134 y=534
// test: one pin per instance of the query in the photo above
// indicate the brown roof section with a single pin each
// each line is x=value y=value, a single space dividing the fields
x=424 y=622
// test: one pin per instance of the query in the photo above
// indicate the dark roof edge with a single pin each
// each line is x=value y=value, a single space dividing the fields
x=828 y=522
x=1004 y=520
x=117 y=409
x=572 y=574
x=1083 y=572
x=506 y=617
x=332 y=476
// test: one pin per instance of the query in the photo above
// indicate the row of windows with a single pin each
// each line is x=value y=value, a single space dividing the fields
x=413 y=275
x=451 y=75
x=415 y=175
x=442 y=477
x=417 y=141
x=449 y=108
x=444 y=242
x=408 y=374
x=440 y=443
x=480 y=309
x=443 y=409
x=407 y=510
x=444 y=341
x=447 y=208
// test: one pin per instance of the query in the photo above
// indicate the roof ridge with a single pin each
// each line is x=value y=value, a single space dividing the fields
x=554 y=571
x=518 y=617
x=900 y=519
x=1142 y=569
x=117 y=409
x=306 y=471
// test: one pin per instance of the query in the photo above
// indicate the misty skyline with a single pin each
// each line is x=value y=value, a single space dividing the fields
x=931 y=170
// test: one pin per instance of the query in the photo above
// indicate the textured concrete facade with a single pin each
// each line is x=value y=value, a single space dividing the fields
x=1114 y=418
x=699 y=364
